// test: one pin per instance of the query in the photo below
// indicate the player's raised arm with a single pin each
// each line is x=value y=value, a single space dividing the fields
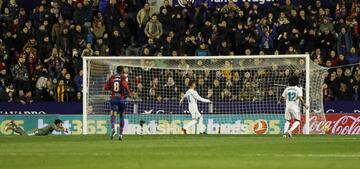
x=198 y=97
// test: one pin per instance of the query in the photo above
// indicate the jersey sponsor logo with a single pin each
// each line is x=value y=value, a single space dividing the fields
x=22 y=112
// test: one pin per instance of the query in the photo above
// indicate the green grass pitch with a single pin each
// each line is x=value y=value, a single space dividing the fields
x=180 y=151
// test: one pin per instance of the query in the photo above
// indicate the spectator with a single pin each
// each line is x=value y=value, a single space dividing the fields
x=168 y=46
x=165 y=19
x=355 y=82
x=248 y=92
x=344 y=42
x=99 y=29
x=41 y=85
x=79 y=81
x=153 y=28
x=45 y=47
x=223 y=50
x=342 y=61
x=353 y=56
x=21 y=97
x=19 y=70
x=69 y=88
x=202 y=50
x=124 y=33
x=49 y=93
x=267 y=37
x=344 y=93
x=57 y=29
x=55 y=62
x=4 y=83
x=143 y=17
x=170 y=90
x=117 y=44
x=151 y=46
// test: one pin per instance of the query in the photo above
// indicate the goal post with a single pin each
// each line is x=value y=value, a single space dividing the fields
x=244 y=91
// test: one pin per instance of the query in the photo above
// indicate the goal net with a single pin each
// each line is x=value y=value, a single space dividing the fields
x=244 y=91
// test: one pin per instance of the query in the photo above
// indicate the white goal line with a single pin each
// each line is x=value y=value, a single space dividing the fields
x=95 y=154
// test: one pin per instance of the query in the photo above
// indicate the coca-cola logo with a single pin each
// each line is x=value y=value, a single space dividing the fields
x=347 y=125
x=335 y=124
x=318 y=125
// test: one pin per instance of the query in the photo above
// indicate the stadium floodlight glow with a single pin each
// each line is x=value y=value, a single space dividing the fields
x=244 y=91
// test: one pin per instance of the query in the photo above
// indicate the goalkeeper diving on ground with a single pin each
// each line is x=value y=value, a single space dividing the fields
x=293 y=96
x=57 y=126
x=192 y=96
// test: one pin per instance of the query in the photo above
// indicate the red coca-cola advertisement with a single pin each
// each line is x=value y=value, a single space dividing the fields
x=339 y=124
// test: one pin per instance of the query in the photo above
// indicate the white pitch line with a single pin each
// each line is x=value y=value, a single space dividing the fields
x=238 y=155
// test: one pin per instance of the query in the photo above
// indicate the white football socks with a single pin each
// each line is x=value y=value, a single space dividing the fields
x=200 y=123
x=294 y=126
x=286 y=126
x=188 y=125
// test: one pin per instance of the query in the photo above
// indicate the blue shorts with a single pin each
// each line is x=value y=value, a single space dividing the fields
x=118 y=104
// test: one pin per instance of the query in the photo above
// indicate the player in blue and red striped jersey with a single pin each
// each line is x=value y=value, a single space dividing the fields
x=120 y=91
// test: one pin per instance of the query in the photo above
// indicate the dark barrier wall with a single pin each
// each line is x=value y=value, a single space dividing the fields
x=167 y=107
x=40 y=108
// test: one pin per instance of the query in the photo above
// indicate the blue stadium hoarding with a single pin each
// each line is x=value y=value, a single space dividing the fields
x=152 y=124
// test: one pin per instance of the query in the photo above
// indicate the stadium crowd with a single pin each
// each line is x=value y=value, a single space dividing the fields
x=41 y=49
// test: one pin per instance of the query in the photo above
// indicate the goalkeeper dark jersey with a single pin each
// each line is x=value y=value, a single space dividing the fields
x=38 y=131
x=46 y=130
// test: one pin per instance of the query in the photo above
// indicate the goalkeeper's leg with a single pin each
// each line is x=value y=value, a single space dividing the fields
x=34 y=132
x=12 y=126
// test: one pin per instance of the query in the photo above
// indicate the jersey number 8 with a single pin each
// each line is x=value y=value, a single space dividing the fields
x=116 y=87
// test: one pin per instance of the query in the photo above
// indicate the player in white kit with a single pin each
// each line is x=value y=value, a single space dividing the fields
x=192 y=96
x=293 y=96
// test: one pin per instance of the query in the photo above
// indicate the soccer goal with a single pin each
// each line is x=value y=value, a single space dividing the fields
x=244 y=91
